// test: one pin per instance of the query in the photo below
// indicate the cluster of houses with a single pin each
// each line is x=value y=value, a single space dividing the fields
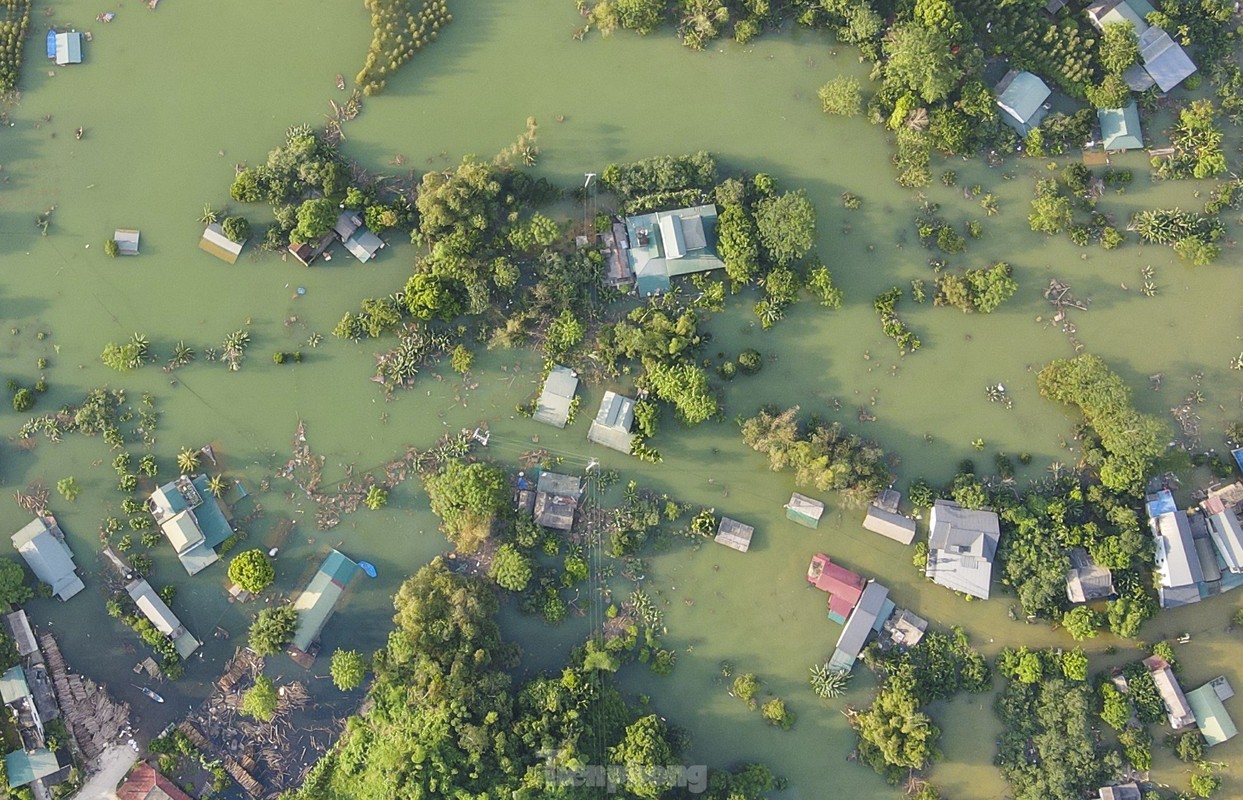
x=27 y=691
x=1022 y=96
x=348 y=230
x=1199 y=552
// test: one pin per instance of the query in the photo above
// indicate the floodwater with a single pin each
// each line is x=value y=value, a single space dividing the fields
x=172 y=99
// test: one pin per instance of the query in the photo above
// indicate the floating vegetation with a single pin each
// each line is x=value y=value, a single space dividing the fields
x=398 y=367
x=396 y=34
x=645 y=609
x=894 y=328
x=997 y=394
x=14 y=20
x=233 y=350
x=314 y=340
x=182 y=355
x=99 y=413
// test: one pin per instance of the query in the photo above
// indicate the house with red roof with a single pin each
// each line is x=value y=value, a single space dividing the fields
x=144 y=783
x=844 y=587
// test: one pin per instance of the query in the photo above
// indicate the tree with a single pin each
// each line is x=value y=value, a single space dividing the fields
x=1111 y=92
x=123 y=357
x=685 y=386
x=188 y=461
x=776 y=713
x=738 y=243
x=787 y=226
x=111 y=248
x=1189 y=747
x=348 y=669
x=315 y=218
x=1115 y=707
x=828 y=683
x=643 y=752
x=68 y=488
x=1051 y=212
x=1075 y=664
x=894 y=733
x=236 y=228
x=245 y=188
x=1119 y=47
x=216 y=484
x=272 y=629
x=511 y=568
x=820 y=284
x=260 y=700
x=641 y=16
x=920 y=59
x=252 y=570
x=23 y=400
x=467 y=498
x=376 y=498
x=1081 y=623
x=431 y=297
x=746 y=685
x=1205 y=783
x=461 y=359
x=841 y=96
x=13 y=588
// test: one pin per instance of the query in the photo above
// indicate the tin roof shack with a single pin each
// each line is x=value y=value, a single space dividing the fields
x=68 y=48
x=903 y=629
x=1208 y=705
x=222 y=247
x=162 y=617
x=556 y=500
x=733 y=533
x=869 y=615
x=317 y=602
x=961 y=545
x=804 y=510
x=1123 y=791
x=664 y=244
x=1021 y=96
x=23 y=636
x=1086 y=580
x=611 y=427
x=1120 y=128
x=127 y=241
x=1181 y=577
x=883 y=518
x=1176 y=706
x=360 y=242
x=844 y=587
x=553 y=406
x=42 y=544
x=191 y=519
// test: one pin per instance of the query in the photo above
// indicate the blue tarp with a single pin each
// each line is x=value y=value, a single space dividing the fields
x=51 y=44
x=1164 y=504
x=1238 y=457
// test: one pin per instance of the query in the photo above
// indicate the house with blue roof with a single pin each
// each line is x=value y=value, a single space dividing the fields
x=666 y=244
x=191 y=519
x=1120 y=128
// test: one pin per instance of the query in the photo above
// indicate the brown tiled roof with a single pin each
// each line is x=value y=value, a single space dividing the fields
x=144 y=783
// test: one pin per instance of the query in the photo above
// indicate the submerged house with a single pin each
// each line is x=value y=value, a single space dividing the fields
x=556 y=500
x=1176 y=706
x=962 y=543
x=68 y=48
x=127 y=241
x=844 y=587
x=804 y=510
x=222 y=247
x=1161 y=60
x=664 y=244
x=903 y=628
x=360 y=242
x=1225 y=530
x=1180 y=575
x=735 y=534
x=883 y=518
x=1021 y=97
x=191 y=519
x=553 y=405
x=317 y=602
x=1122 y=791
x=611 y=427
x=1120 y=128
x=869 y=617
x=162 y=617
x=42 y=544
x=1208 y=705
x=1086 y=580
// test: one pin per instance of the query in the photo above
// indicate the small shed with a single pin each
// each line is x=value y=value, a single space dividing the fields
x=364 y=245
x=611 y=427
x=23 y=636
x=904 y=628
x=556 y=500
x=553 y=406
x=889 y=524
x=347 y=223
x=1021 y=96
x=68 y=48
x=222 y=247
x=1120 y=128
x=127 y=241
x=804 y=510
x=735 y=534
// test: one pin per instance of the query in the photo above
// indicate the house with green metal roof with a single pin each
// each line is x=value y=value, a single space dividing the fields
x=317 y=602
x=1021 y=96
x=28 y=766
x=1120 y=128
x=804 y=510
x=191 y=519
x=666 y=244
x=1210 y=711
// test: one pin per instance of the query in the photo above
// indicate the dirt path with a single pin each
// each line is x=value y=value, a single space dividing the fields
x=114 y=763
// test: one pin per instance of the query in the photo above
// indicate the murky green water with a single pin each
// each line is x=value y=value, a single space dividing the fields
x=172 y=99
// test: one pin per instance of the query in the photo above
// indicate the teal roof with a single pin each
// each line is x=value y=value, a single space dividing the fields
x=1021 y=96
x=1211 y=715
x=317 y=601
x=210 y=517
x=13 y=685
x=1120 y=128
x=24 y=768
x=664 y=244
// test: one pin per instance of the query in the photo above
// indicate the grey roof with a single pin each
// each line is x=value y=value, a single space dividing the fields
x=1086 y=580
x=69 y=48
x=553 y=406
x=555 y=510
x=905 y=628
x=1176 y=706
x=43 y=546
x=1164 y=59
x=347 y=222
x=961 y=546
x=611 y=426
x=861 y=623
x=555 y=483
x=1124 y=791
x=735 y=534
x=23 y=635
x=1227 y=535
x=363 y=245
x=1207 y=557
x=162 y=617
x=1021 y=96
x=1175 y=596
x=127 y=241
x=1177 y=562
x=1120 y=129
x=1115 y=12
x=886 y=523
x=804 y=510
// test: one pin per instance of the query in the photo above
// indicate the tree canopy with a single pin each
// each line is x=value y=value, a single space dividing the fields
x=252 y=570
x=348 y=669
x=272 y=629
x=260 y=700
x=467 y=498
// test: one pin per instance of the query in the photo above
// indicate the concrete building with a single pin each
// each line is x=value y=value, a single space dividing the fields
x=1180 y=576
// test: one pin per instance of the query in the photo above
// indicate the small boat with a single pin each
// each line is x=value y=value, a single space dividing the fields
x=367 y=567
x=51 y=43
x=148 y=693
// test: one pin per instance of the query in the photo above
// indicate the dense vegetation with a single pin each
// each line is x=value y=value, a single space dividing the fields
x=445 y=718
x=14 y=20
x=397 y=32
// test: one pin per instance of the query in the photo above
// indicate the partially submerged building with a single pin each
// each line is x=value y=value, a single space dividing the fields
x=1176 y=707
x=1021 y=97
x=665 y=244
x=68 y=48
x=868 y=617
x=317 y=602
x=735 y=534
x=1120 y=128
x=556 y=500
x=962 y=543
x=553 y=405
x=883 y=518
x=1208 y=705
x=127 y=241
x=222 y=247
x=24 y=767
x=1122 y=791
x=903 y=629
x=1180 y=577
x=42 y=544
x=844 y=587
x=162 y=617
x=613 y=421
x=360 y=242
x=144 y=783
x=1225 y=531
x=804 y=510
x=1161 y=60
x=191 y=519
x=1086 y=580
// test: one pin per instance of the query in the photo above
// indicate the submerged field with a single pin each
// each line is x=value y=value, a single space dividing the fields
x=164 y=127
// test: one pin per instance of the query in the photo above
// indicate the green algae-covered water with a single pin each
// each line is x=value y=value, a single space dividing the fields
x=172 y=99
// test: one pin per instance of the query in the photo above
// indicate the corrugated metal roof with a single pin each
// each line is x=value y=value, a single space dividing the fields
x=804 y=510
x=1021 y=96
x=1212 y=718
x=1164 y=59
x=861 y=623
x=735 y=534
x=611 y=426
x=886 y=523
x=13 y=686
x=961 y=545
x=43 y=547
x=553 y=406
x=222 y=247
x=1120 y=129
x=318 y=600
x=26 y=767
x=182 y=530
x=23 y=635
x=127 y=241
x=69 y=48
x=363 y=245
x=1227 y=535
x=1176 y=558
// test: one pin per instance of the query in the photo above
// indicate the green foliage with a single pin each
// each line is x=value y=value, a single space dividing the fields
x=1081 y=623
x=111 y=248
x=1075 y=664
x=125 y=357
x=252 y=570
x=885 y=305
x=315 y=218
x=511 y=568
x=348 y=669
x=237 y=229
x=1141 y=688
x=685 y=386
x=828 y=683
x=746 y=686
x=467 y=498
x=982 y=290
x=660 y=174
x=894 y=735
x=1111 y=92
x=775 y=713
x=1205 y=782
x=564 y=333
x=643 y=751
x=920 y=59
x=820 y=284
x=1189 y=747
x=260 y=700
x=377 y=498
x=1118 y=48
x=399 y=28
x=272 y=629
x=841 y=96
x=738 y=242
x=1115 y=706
x=13 y=588
x=431 y=297
x=461 y=359
x=1197 y=141
x=786 y=224
x=1137 y=747
x=1050 y=210
x=68 y=488
x=1193 y=236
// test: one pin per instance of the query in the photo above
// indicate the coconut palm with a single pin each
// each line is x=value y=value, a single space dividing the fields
x=828 y=683
x=209 y=216
x=216 y=485
x=187 y=461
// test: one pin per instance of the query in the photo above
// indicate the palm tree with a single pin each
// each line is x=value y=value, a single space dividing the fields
x=216 y=484
x=209 y=216
x=187 y=461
